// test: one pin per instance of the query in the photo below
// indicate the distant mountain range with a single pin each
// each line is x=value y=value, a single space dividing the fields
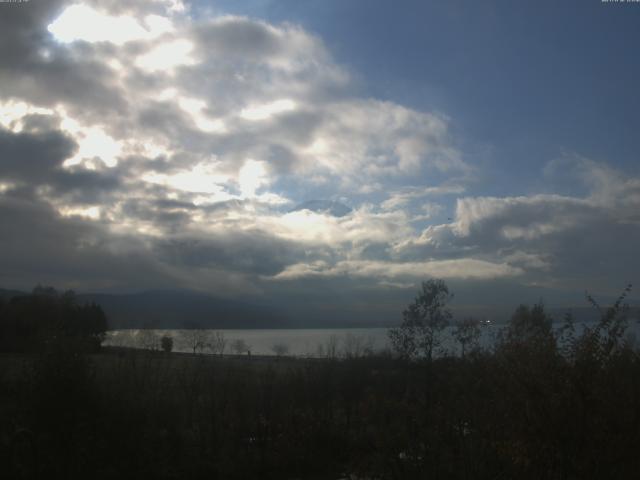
x=188 y=309
x=178 y=309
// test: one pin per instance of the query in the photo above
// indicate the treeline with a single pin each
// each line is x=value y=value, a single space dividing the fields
x=46 y=318
x=540 y=403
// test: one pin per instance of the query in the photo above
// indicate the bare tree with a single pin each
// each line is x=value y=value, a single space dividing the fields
x=239 y=346
x=280 y=349
x=218 y=343
x=331 y=347
x=197 y=339
x=148 y=340
x=356 y=346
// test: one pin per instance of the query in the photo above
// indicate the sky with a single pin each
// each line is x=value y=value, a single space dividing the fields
x=322 y=156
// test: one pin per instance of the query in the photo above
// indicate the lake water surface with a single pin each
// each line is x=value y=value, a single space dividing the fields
x=298 y=342
x=311 y=342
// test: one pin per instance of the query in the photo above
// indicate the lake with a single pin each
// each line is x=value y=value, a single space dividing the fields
x=311 y=342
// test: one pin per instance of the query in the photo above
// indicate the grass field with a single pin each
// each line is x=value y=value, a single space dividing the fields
x=513 y=413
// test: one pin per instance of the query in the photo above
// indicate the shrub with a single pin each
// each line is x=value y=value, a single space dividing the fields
x=166 y=343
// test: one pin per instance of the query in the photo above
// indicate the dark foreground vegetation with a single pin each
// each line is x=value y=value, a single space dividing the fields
x=540 y=404
x=34 y=323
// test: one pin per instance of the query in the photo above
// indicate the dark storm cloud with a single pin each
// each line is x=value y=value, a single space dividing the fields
x=38 y=245
x=170 y=204
x=36 y=159
x=167 y=217
x=33 y=156
x=23 y=30
x=81 y=186
x=35 y=67
x=254 y=252
x=39 y=123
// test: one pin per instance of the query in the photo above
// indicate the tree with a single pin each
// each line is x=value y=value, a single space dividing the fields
x=356 y=346
x=529 y=328
x=148 y=340
x=331 y=348
x=37 y=321
x=197 y=339
x=218 y=343
x=239 y=346
x=166 y=343
x=599 y=343
x=280 y=349
x=423 y=320
x=467 y=333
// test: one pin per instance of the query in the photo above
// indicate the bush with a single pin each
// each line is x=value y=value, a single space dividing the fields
x=166 y=343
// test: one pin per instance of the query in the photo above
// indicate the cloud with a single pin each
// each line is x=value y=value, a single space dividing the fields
x=174 y=152
x=32 y=156
x=333 y=208
x=37 y=244
x=241 y=89
x=525 y=217
x=467 y=268
x=372 y=138
x=560 y=241
x=407 y=195
x=607 y=187
x=82 y=22
x=252 y=252
x=36 y=68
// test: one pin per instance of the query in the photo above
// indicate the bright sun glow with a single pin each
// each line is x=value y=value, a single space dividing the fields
x=262 y=112
x=251 y=177
x=92 y=142
x=194 y=107
x=11 y=114
x=79 y=22
x=167 y=56
x=303 y=225
x=202 y=178
x=87 y=212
